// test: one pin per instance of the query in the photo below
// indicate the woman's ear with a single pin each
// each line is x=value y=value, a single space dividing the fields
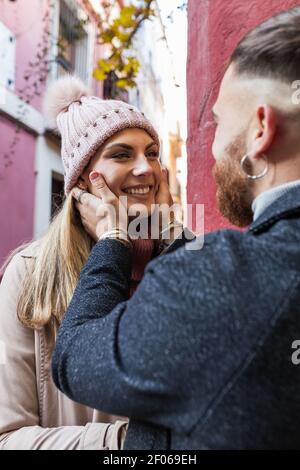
x=82 y=184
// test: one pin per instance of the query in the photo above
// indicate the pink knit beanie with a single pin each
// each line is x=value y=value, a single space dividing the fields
x=85 y=122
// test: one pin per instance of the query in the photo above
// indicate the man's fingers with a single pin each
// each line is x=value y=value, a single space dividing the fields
x=100 y=185
x=164 y=185
x=164 y=175
x=163 y=195
x=84 y=198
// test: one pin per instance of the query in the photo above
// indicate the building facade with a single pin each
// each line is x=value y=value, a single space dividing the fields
x=40 y=41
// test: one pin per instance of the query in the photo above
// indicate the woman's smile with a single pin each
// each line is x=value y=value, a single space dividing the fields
x=140 y=191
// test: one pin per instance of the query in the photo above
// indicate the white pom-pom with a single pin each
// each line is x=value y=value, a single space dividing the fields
x=61 y=94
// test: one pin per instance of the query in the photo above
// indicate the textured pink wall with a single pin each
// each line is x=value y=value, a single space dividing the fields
x=17 y=181
x=215 y=27
x=17 y=186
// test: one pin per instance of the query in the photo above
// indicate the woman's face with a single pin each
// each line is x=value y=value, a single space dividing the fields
x=129 y=162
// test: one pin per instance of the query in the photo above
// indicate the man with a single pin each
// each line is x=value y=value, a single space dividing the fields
x=200 y=356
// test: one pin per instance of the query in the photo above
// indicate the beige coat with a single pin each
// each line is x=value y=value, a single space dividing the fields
x=34 y=414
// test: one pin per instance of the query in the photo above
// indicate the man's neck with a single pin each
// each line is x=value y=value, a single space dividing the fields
x=266 y=198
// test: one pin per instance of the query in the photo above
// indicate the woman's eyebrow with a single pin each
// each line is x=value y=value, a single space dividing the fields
x=150 y=145
x=125 y=146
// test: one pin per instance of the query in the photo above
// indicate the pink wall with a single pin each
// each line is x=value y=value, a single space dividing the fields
x=17 y=186
x=215 y=27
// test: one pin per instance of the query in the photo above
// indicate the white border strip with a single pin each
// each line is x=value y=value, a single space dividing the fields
x=19 y=111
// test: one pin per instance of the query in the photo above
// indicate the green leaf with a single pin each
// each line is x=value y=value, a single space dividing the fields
x=106 y=36
x=126 y=16
x=122 y=36
x=118 y=34
x=122 y=83
x=99 y=75
x=104 y=65
x=132 y=66
x=131 y=83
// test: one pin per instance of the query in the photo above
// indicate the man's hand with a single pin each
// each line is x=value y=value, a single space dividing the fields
x=163 y=195
x=169 y=229
x=103 y=212
x=164 y=201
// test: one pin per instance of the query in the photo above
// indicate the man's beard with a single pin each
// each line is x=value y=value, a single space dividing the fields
x=234 y=195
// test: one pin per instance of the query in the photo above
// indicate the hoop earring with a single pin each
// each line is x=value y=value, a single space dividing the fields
x=260 y=175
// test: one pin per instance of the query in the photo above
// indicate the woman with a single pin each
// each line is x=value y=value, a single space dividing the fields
x=117 y=140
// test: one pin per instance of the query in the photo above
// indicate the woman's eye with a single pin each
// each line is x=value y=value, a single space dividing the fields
x=153 y=154
x=121 y=156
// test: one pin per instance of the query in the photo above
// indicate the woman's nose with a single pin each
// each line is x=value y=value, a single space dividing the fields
x=142 y=167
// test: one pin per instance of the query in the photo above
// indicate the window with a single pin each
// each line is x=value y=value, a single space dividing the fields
x=111 y=91
x=57 y=193
x=73 y=41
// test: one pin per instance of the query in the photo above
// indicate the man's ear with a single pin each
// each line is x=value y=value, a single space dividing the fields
x=266 y=126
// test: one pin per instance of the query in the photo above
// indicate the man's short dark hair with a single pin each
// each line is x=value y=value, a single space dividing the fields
x=272 y=49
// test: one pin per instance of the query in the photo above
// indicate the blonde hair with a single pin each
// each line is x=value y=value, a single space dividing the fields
x=48 y=289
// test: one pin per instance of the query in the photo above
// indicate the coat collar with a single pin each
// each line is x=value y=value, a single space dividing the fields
x=285 y=206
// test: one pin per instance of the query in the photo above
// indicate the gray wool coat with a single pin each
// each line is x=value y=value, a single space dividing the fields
x=200 y=356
